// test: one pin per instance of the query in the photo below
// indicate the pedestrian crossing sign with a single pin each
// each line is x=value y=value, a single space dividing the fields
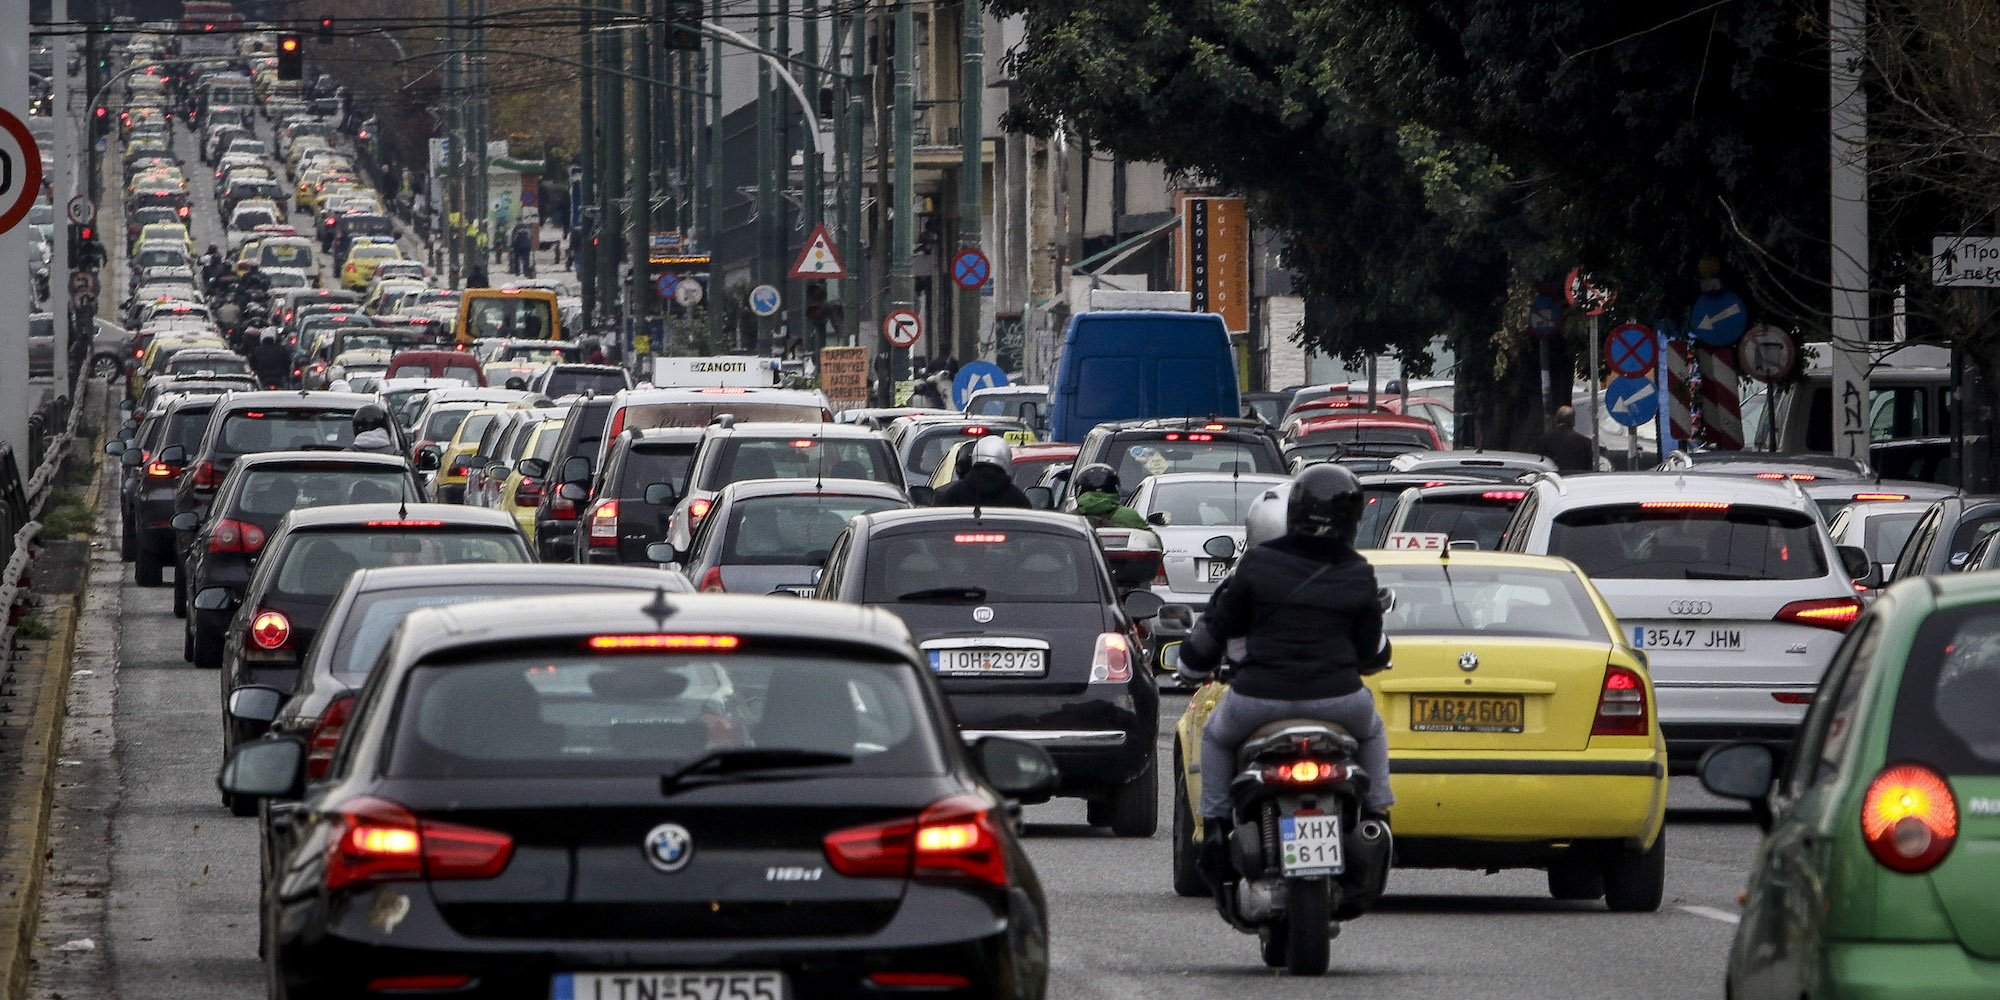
x=819 y=260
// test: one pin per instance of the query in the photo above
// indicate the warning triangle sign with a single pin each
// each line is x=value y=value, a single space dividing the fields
x=818 y=259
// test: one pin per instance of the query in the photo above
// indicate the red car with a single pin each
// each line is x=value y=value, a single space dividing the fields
x=1366 y=432
x=437 y=364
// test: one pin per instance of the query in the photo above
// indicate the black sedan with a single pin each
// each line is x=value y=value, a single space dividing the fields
x=583 y=797
x=1016 y=614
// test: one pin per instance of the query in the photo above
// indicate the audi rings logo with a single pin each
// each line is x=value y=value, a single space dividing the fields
x=1690 y=607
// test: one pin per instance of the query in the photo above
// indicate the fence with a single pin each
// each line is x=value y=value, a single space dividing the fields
x=51 y=434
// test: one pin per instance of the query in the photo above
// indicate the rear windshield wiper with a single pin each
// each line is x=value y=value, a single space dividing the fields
x=732 y=762
x=945 y=594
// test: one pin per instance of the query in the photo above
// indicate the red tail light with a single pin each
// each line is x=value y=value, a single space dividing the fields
x=919 y=980
x=1834 y=613
x=1881 y=496
x=1306 y=772
x=381 y=841
x=1621 y=704
x=711 y=581
x=325 y=737
x=419 y=984
x=1909 y=818
x=271 y=630
x=458 y=466
x=162 y=470
x=957 y=838
x=207 y=476
x=617 y=423
x=528 y=491
x=1111 y=661
x=562 y=508
x=604 y=523
x=1504 y=495
x=231 y=535
x=698 y=509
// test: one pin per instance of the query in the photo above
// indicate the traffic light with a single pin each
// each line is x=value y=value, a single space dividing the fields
x=291 y=58
x=684 y=25
x=326 y=29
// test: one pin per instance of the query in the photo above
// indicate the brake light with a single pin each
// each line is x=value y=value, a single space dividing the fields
x=1684 y=505
x=1160 y=578
x=562 y=508
x=1881 y=496
x=271 y=630
x=973 y=431
x=957 y=838
x=804 y=443
x=1909 y=818
x=231 y=535
x=711 y=581
x=207 y=476
x=1835 y=613
x=1621 y=704
x=698 y=509
x=919 y=980
x=604 y=523
x=325 y=738
x=1214 y=427
x=1770 y=475
x=458 y=467
x=1792 y=697
x=528 y=491
x=418 y=984
x=381 y=841
x=979 y=538
x=659 y=641
x=161 y=470
x=724 y=392
x=1111 y=660
x=1503 y=494
x=184 y=212
x=1201 y=437
x=1306 y=772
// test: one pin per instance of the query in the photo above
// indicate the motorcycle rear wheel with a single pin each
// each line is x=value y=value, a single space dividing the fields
x=1307 y=934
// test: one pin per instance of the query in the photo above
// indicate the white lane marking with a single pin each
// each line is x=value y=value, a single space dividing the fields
x=1712 y=913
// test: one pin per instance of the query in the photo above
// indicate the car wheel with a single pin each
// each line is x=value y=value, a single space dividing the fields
x=1576 y=876
x=1635 y=883
x=1135 y=805
x=1271 y=943
x=128 y=543
x=146 y=568
x=1187 y=873
x=206 y=649
x=180 y=594
x=187 y=641
x=1308 y=930
x=104 y=366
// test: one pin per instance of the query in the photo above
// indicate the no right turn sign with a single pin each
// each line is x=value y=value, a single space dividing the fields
x=902 y=327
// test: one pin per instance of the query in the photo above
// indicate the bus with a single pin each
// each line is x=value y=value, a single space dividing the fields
x=208 y=29
x=515 y=313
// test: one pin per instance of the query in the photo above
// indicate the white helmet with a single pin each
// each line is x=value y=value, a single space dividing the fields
x=995 y=452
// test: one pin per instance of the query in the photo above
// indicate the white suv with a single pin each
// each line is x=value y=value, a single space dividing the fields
x=1730 y=585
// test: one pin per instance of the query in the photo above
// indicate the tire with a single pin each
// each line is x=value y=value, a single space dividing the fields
x=1308 y=939
x=128 y=543
x=206 y=649
x=180 y=594
x=1187 y=873
x=1135 y=805
x=104 y=366
x=1635 y=883
x=1575 y=876
x=187 y=641
x=1271 y=940
x=146 y=568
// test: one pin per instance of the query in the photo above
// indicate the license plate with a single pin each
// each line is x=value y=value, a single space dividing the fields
x=1311 y=844
x=1432 y=713
x=671 y=986
x=1213 y=570
x=989 y=662
x=805 y=592
x=1699 y=640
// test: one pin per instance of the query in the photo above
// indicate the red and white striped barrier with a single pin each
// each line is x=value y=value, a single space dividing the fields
x=1721 y=388
x=1680 y=395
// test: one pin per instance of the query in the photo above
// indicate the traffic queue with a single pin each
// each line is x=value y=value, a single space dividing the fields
x=577 y=686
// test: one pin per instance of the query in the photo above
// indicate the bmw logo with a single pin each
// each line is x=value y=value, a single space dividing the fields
x=982 y=614
x=669 y=847
x=1468 y=661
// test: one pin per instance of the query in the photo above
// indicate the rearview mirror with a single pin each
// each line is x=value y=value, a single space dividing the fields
x=1219 y=547
x=573 y=492
x=213 y=599
x=428 y=459
x=255 y=704
x=173 y=454
x=186 y=520
x=576 y=469
x=1143 y=604
x=922 y=496
x=264 y=769
x=1855 y=559
x=534 y=468
x=1017 y=770
x=1159 y=519
x=1040 y=497
x=114 y=447
x=1738 y=770
x=660 y=495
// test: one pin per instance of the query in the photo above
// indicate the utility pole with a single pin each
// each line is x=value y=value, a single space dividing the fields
x=902 y=282
x=712 y=239
x=93 y=78
x=587 y=153
x=972 y=141
x=1847 y=25
x=639 y=249
x=456 y=155
x=769 y=179
x=612 y=225
x=15 y=399
x=815 y=166
x=850 y=182
x=63 y=188
x=482 y=238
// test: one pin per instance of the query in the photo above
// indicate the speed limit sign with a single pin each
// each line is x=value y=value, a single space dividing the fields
x=81 y=210
x=20 y=171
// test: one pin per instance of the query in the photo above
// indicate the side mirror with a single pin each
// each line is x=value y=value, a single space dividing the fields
x=1017 y=770
x=662 y=553
x=1174 y=617
x=1143 y=604
x=922 y=496
x=213 y=599
x=255 y=704
x=129 y=426
x=1159 y=519
x=1738 y=771
x=496 y=470
x=1220 y=547
x=132 y=458
x=114 y=447
x=661 y=495
x=264 y=769
x=573 y=492
x=576 y=469
x=1878 y=576
x=428 y=458
x=125 y=405
x=174 y=454
x=534 y=468
x=1855 y=559
x=1040 y=497
x=186 y=520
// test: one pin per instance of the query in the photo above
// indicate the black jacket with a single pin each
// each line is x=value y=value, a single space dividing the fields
x=1568 y=449
x=1308 y=611
x=966 y=492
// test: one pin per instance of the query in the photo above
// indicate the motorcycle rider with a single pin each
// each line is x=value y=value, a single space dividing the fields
x=211 y=263
x=271 y=362
x=1099 y=498
x=987 y=482
x=1306 y=605
x=371 y=431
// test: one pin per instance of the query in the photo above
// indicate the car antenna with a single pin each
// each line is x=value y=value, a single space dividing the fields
x=819 y=465
x=403 y=509
x=659 y=609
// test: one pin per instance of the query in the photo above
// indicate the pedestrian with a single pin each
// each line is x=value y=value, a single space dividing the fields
x=1564 y=446
x=522 y=245
x=475 y=275
x=271 y=362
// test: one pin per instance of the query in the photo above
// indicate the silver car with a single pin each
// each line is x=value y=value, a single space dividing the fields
x=1189 y=508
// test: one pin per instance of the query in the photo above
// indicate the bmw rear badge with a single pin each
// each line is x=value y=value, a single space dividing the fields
x=982 y=614
x=669 y=847
x=1468 y=661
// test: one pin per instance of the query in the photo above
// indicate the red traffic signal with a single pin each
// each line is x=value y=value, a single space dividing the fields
x=291 y=61
x=290 y=43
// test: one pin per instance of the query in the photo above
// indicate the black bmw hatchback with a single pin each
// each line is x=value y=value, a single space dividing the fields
x=587 y=798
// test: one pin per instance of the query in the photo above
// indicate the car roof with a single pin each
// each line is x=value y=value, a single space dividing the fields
x=1832 y=489
x=665 y=435
x=1046 y=449
x=789 y=429
x=988 y=516
x=1750 y=462
x=1449 y=490
x=1399 y=480
x=1600 y=488
x=792 y=487
x=1469 y=557
x=1255 y=478
x=474 y=574
x=296 y=397
x=356 y=458
x=1339 y=421
x=1411 y=460
x=700 y=394
x=349 y=515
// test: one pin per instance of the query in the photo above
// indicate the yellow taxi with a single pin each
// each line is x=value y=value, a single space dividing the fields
x=166 y=231
x=451 y=474
x=1522 y=729
x=163 y=347
x=359 y=268
x=521 y=492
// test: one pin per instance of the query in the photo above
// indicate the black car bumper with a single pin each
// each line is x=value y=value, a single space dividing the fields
x=1100 y=738
x=153 y=525
x=556 y=540
x=1687 y=742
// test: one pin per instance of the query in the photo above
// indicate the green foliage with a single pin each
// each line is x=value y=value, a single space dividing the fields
x=67 y=516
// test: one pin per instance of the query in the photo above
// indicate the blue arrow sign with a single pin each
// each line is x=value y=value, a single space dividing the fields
x=764 y=300
x=1632 y=401
x=1720 y=319
x=1545 y=316
x=974 y=376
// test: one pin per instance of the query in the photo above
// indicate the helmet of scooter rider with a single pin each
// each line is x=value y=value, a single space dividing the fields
x=1325 y=502
x=1098 y=477
x=993 y=453
x=1265 y=520
x=369 y=417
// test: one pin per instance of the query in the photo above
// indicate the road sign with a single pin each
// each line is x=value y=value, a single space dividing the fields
x=1545 y=316
x=975 y=375
x=1632 y=400
x=667 y=284
x=1965 y=261
x=970 y=269
x=688 y=293
x=902 y=327
x=81 y=210
x=1586 y=294
x=765 y=300
x=20 y=170
x=819 y=260
x=82 y=283
x=1720 y=319
x=1632 y=350
x=1766 y=353
x=843 y=374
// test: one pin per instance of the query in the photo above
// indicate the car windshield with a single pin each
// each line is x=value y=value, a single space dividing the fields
x=1372 y=438
x=1012 y=566
x=1139 y=458
x=1028 y=471
x=247 y=431
x=930 y=448
x=576 y=714
x=1489 y=600
x=210 y=365
x=318 y=563
x=1690 y=540
x=792 y=530
x=568 y=383
x=1944 y=710
x=800 y=458
x=1478 y=518
x=1205 y=502
x=657 y=463
x=273 y=491
x=525 y=318
x=468 y=427
x=1883 y=535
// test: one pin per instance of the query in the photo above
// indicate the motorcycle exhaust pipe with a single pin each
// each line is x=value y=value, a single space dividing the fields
x=1372 y=830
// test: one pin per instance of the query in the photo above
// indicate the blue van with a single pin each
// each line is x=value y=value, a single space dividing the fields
x=1129 y=365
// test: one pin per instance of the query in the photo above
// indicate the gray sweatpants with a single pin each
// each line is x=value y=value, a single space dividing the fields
x=1238 y=715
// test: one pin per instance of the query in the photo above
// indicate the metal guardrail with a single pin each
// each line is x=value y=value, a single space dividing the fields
x=48 y=453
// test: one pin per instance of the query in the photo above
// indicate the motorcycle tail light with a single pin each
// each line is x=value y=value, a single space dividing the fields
x=1621 y=704
x=1909 y=818
x=1306 y=772
x=1111 y=661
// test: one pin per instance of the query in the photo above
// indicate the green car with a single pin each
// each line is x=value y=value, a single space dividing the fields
x=1861 y=887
